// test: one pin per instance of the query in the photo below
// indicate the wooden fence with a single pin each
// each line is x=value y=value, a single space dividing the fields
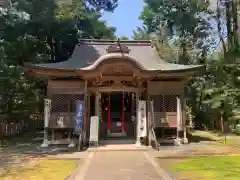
x=19 y=123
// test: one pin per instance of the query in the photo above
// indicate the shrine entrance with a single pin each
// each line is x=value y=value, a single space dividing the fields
x=118 y=112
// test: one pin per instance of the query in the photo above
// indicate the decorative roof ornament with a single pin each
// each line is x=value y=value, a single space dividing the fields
x=118 y=48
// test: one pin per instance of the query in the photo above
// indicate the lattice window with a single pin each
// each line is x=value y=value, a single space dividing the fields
x=60 y=102
x=65 y=102
x=164 y=103
x=158 y=103
x=170 y=103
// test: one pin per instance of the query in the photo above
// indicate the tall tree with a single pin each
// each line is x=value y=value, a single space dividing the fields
x=123 y=38
x=180 y=20
x=59 y=24
x=40 y=31
x=141 y=33
x=186 y=24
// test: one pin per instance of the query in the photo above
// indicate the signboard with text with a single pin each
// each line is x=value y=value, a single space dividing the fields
x=78 y=123
x=94 y=128
x=47 y=112
x=142 y=119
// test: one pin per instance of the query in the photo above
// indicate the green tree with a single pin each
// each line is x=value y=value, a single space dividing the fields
x=41 y=31
x=141 y=34
x=123 y=38
x=184 y=26
x=180 y=21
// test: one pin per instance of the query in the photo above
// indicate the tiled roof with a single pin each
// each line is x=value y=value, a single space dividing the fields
x=89 y=53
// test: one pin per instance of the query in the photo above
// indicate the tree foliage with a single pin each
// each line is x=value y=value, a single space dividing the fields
x=189 y=25
x=43 y=31
x=183 y=22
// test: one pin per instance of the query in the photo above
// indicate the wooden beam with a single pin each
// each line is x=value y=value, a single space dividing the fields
x=114 y=78
x=115 y=89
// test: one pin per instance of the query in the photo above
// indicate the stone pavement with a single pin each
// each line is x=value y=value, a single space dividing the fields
x=119 y=165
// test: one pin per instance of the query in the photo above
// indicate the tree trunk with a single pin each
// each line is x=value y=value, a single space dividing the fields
x=52 y=49
x=229 y=31
x=183 y=56
x=235 y=24
x=219 y=28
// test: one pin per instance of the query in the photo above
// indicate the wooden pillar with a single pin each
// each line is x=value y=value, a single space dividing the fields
x=123 y=114
x=177 y=140
x=69 y=111
x=132 y=108
x=69 y=136
x=97 y=105
x=85 y=113
x=184 y=124
x=149 y=120
x=89 y=113
x=165 y=116
x=45 y=139
x=138 y=142
x=53 y=135
x=133 y=118
x=37 y=100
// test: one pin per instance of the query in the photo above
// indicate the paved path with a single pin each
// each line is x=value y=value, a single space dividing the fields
x=119 y=165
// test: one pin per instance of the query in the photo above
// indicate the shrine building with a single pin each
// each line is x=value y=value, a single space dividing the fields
x=110 y=77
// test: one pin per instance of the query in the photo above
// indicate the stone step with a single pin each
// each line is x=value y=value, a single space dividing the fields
x=115 y=147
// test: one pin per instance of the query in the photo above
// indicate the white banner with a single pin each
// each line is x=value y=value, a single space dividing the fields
x=47 y=112
x=178 y=113
x=142 y=119
x=94 y=123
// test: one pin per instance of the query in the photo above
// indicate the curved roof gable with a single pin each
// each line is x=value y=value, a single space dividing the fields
x=89 y=53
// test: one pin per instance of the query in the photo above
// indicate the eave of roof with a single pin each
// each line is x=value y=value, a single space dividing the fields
x=90 y=54
x=181 y=68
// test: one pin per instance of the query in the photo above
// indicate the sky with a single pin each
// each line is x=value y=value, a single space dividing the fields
x=125 y=17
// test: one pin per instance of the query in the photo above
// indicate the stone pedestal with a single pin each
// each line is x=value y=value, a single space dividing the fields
x=72 y=144
x=138 y=143
x=45 y=144
x=185 y=141
x=177 y=142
